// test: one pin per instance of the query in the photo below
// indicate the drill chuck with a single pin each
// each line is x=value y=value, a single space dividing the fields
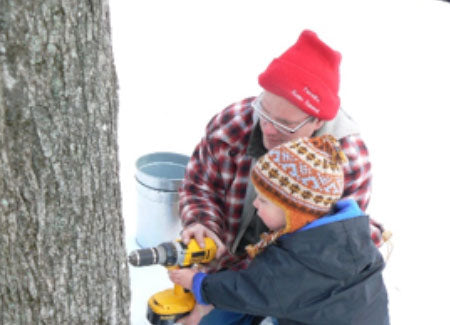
x=174 y=253
x=166 y=254
x=143 y=257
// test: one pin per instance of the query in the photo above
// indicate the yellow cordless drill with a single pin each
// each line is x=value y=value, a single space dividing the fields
x=166 y=307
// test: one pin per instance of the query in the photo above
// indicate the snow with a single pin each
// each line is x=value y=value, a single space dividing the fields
x=179 y=62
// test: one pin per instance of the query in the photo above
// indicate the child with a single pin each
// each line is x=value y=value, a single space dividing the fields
x=317 y=265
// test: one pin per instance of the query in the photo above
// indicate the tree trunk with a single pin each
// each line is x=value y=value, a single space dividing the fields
x=62 y=248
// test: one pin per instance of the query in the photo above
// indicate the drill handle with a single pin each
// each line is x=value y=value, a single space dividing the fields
x=179 y=290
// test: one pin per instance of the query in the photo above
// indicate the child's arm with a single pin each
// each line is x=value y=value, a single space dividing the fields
x=250 y=291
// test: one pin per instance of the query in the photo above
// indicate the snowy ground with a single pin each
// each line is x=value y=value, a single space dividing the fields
x=179 y=62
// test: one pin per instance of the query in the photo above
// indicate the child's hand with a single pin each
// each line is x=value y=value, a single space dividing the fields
x=183 y=277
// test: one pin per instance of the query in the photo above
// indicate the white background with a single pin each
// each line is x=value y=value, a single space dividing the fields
x=180 y=62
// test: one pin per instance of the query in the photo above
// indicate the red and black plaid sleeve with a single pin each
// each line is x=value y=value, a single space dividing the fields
x=358 y=178
x=213 y=190
x=357 y=171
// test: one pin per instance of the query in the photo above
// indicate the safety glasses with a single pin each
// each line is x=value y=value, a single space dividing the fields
x=256 y=104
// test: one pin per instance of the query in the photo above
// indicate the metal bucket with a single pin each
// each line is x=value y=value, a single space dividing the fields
x=158 y=177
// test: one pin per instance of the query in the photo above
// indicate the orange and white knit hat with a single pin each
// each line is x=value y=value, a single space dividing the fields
x=304 y=177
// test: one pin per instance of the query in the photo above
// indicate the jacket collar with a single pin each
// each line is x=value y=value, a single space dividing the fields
x=255 y=147
x=343 y=210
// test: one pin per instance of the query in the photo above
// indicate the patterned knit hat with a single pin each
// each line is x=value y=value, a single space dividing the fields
x=304 y=177
x=307 y=75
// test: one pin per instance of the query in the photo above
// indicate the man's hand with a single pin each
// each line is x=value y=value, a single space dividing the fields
x=196 y=315
x=199 y=231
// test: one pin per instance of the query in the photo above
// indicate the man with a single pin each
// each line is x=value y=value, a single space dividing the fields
x=300 y=99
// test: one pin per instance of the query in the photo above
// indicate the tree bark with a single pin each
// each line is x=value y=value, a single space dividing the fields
x=62 y=248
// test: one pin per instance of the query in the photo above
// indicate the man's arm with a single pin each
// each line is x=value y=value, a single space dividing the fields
x=358 y=179
x=202 y=190
x=213 y=189
x=358 y=176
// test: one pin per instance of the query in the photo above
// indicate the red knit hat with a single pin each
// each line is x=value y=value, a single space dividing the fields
x=307 y=75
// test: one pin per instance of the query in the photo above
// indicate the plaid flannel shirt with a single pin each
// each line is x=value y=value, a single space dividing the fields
x=213 y=190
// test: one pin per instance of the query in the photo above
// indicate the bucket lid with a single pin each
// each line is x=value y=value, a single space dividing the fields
x=161 y=170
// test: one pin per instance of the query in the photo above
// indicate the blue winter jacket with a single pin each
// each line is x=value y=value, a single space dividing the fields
x=328 y=272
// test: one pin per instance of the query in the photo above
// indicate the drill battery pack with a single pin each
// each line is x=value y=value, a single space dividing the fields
x=157 y=319
x=168 y=306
